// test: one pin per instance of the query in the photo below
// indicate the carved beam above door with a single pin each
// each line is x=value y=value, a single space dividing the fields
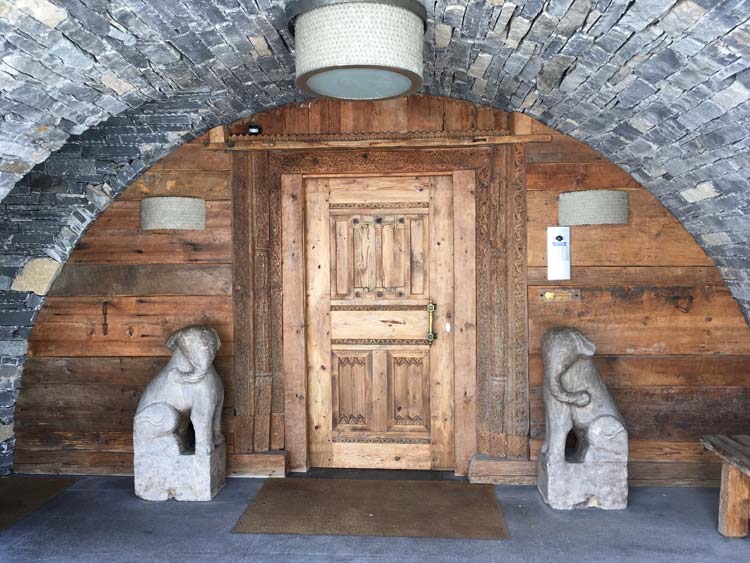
x=221 y=139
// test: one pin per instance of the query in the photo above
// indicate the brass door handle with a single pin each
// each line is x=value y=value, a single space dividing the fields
x=431 y=336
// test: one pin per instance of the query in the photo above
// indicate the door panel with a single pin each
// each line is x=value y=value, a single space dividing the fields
x=380 y=393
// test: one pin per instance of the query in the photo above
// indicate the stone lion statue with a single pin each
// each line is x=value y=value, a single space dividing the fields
x=575 y=398
x=187 y=390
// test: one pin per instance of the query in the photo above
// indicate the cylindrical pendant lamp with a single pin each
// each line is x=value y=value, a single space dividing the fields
x=358 y=49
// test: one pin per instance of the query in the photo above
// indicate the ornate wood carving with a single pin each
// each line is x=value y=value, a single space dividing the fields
x=379 y=440
x=381 y=341
x=378 y=307
x=381 y=205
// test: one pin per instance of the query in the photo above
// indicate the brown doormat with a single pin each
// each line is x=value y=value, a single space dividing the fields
x=429 y=509
x=20 y=496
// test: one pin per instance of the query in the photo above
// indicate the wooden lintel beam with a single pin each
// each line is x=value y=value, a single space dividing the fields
x=437 y=142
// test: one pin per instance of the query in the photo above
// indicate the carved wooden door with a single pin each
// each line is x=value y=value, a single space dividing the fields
x=379 y=251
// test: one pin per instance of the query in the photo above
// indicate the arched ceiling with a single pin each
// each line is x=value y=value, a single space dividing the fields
x=93 y=91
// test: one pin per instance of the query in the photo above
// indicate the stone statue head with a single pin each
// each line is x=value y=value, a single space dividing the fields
x=566 y=342
x=197 y=345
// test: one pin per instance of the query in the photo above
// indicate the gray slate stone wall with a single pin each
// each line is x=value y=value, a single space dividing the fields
x=93 y=92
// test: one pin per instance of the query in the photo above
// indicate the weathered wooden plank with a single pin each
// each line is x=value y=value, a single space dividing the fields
x=521 y=124
x=376 y=161
x=442 y=412
x=204 y=184
x=733 y=449
x=665 y=451
x=125 y=326
x=465 y=307
x=459 y=115
x=560 y=177
x=262 y=421
x=489 y=118
x=296 y=118
x=390 y=115
x=110 y=280
x=194 y=156
x=517 y=339
x=111 y=371
x=562 y=148
x=734 y=502
x=484 y=469
x=261 y=232
x=653 y=236
x=116 y=238
x=490 y=297
x=373 y=456
x=277 y=430
x=628 y=276
x=271 y=464
x=687 y=370
x=642 y=320
x=425 y=113
x=243 y=297
x=670 y=413
x=317 y=257
x=294 y=310
x=311 y=145
x=43 y=439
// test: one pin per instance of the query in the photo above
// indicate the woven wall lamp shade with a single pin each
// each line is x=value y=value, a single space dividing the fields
x=593 y=207
x=181 y=213
x=358 y=49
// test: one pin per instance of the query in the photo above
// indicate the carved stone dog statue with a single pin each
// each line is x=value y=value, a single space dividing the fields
x=575 y=398
x=178 y=446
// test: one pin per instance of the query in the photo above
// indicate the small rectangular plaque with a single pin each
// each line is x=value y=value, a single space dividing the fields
x=557 y=295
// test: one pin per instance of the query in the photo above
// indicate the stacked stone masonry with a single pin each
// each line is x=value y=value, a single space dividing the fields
x=93 y=92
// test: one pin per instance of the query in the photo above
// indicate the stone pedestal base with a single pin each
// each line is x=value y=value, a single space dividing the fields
x=600 y=484
x=182 y=477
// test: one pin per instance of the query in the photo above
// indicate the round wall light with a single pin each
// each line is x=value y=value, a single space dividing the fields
x=358 y=49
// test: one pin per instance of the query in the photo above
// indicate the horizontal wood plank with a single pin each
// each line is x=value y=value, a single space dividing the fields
x=629 y=276
x=110 y=280
x=194 y=156
x=125 y=326
x=669 y=413
x=561 y=148
x=652 y=237
x=689 y=370
x=559 y=177
x=57 y=462
x=116 y=238
x=642 y=320
x=497 y=471
x=205 y=184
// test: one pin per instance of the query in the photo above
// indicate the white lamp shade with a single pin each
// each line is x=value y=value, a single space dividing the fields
x=181 y=213
x=359 y=51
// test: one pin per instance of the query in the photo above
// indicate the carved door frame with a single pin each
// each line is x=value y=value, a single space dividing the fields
x=501 y=425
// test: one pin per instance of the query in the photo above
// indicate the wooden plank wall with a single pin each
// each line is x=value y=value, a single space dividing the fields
x=673 y=346
x=671 y=343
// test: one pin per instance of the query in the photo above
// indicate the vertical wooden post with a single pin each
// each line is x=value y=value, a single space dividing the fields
x=517 y=340
x=262 y=319
x=734 y=502
x=465 y=320
x=293 y=307
x=442 y=408
x=243 y=300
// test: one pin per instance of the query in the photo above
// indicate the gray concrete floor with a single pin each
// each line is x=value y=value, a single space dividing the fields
x=100 y=520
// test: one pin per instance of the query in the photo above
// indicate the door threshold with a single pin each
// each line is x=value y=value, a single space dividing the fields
x=377 y=474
